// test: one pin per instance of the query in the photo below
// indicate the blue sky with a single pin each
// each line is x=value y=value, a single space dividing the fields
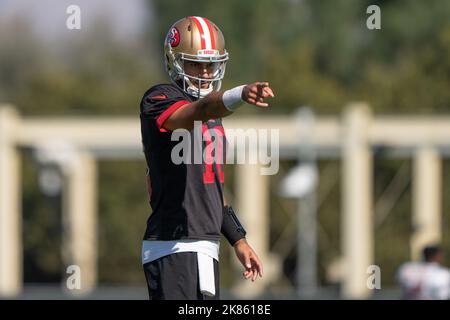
x=48 y=17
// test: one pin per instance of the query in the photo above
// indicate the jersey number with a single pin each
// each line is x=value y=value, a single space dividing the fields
x=208 y=174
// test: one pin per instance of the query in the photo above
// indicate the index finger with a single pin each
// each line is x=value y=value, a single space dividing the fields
x=258 y=265
x=269 y=91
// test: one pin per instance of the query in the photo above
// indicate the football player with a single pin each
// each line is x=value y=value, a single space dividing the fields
x=180 y=250
x=427 y=279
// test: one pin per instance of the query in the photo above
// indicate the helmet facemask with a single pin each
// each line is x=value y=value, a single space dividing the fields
x=193 y=84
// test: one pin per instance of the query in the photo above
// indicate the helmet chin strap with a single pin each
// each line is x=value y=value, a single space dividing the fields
x=197 y=91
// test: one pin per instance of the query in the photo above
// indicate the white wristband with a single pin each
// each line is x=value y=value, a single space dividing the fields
x=232 y=99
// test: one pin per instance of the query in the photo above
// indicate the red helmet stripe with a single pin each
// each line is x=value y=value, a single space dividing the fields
x=211 y=33
x=202 y=33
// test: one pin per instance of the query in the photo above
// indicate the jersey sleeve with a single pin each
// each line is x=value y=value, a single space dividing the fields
x=160 y=102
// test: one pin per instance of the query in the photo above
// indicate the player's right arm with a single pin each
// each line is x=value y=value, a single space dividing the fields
x=212 y=106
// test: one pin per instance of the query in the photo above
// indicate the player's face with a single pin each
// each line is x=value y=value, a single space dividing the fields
x=203 y=70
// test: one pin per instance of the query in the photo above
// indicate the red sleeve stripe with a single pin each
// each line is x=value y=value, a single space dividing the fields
x=168 y=112
x=158 y=98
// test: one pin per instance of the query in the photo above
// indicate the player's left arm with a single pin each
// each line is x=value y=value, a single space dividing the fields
x=249 y=259
x=244 y=252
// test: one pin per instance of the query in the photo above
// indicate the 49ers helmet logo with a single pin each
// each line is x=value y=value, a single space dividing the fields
x=173 y=37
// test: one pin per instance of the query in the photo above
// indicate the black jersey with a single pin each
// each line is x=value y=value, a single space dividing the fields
x=186 y=198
